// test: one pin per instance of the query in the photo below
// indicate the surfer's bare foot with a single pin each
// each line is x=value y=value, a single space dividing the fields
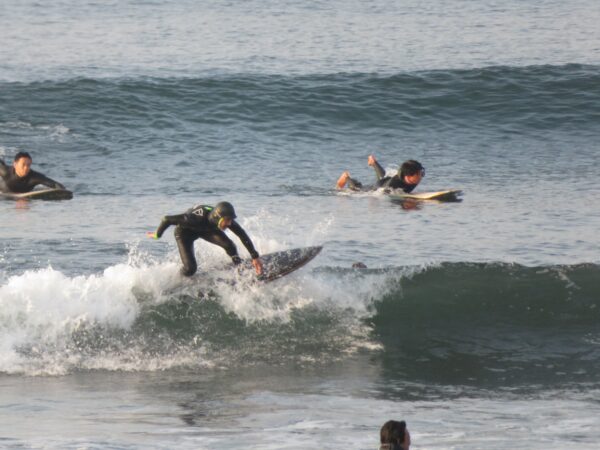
x=343 y=179
x=371 y=161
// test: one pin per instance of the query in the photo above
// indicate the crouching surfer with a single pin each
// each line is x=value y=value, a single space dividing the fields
x=208 y=223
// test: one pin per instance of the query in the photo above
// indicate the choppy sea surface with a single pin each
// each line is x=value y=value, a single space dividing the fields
x=477 y=321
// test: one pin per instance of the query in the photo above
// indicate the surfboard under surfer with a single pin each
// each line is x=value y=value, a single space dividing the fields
x=208 y=223
x=409 y=175
x=21 y=178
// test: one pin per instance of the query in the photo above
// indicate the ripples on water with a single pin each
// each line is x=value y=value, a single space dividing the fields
x=476 y=321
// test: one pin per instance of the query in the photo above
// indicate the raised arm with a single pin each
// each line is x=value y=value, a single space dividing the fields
x=375 y=164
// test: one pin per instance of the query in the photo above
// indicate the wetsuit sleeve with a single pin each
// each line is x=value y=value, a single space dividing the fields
x=354 y=185
x=167 y=221
x=3 y=169
x=386 y=182
x=379 y=172
x=39 y=178
x=240 y=233
x=396 y=182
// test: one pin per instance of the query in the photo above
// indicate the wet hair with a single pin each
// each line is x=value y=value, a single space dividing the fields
x=393 y=432
x=410 y=167
x=20 y=155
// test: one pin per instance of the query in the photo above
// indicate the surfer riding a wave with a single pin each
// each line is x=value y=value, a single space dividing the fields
x=208 y=223
x=408 y=177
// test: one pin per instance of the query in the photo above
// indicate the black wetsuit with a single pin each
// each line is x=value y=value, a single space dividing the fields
x=10 y=182
x=194 y=224
x=395 y=182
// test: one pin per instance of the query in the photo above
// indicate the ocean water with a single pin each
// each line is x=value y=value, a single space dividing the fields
x=477 y=322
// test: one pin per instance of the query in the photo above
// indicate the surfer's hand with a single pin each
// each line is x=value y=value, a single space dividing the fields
x=152 y=234
x=371 y=161
x=256 y=262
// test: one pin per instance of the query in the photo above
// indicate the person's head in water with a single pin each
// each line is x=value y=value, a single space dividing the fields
x=411 y=172
x=222 y=215
x=394 y=435
x=22 y=164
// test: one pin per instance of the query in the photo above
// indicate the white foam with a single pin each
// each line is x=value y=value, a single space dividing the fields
x=40 y=310
x=43 y=311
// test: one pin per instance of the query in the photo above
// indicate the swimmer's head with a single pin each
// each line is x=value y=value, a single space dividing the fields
x=22 y=164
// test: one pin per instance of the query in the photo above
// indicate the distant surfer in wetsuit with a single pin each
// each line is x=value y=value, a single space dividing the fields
x=408 y=177
x=208 y=223
x=21 y=178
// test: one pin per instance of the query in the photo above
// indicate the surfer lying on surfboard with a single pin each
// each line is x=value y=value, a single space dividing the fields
x=408 y=177
x=21 y=178
x=208 y=223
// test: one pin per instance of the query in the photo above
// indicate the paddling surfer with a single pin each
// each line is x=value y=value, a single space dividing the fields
x=208 y=223
x=409 y=175
x=21 y=178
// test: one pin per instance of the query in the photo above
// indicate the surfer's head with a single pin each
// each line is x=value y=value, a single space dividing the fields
x=394 y=432
x=22 y=164
x=411 y=172
x=222 y=215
